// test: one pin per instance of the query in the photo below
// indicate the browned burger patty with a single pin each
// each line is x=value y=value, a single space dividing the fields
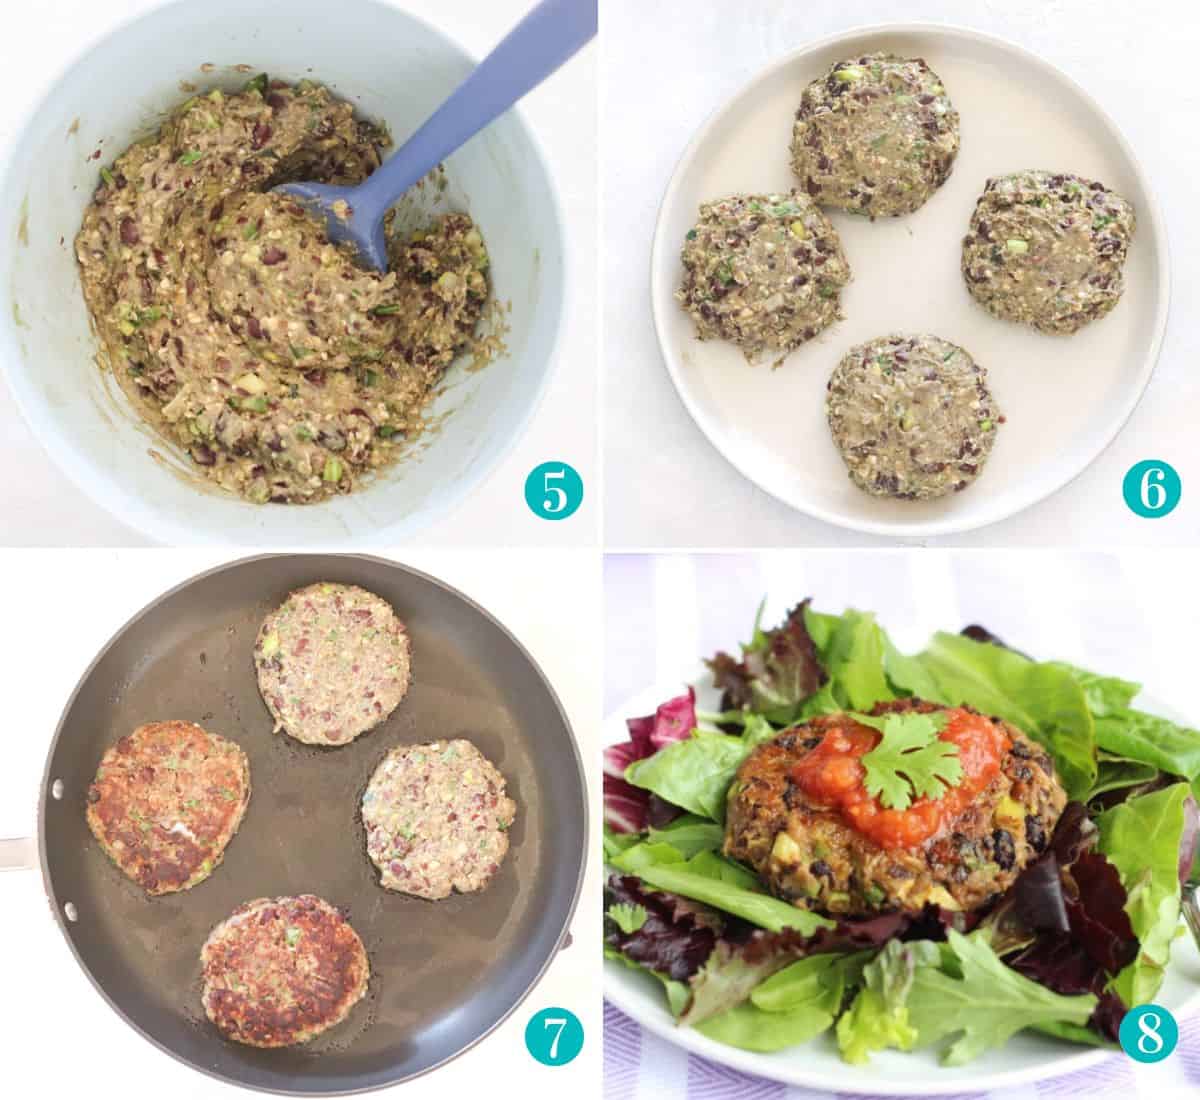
x=333 y=661
x=808 y=854
x=166 y=801
x=279 y=971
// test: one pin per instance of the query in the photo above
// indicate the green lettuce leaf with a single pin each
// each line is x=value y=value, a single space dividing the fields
x=708 y=878
x=690 y=835
x=851 y=647
x=695 y=774
x=1043 y=700
x=748 y=1027
x=878 y=1016
x=1135 y=735
x=1141 y=838
x=984 y=1007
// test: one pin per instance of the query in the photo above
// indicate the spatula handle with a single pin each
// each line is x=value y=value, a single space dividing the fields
x=548 y=36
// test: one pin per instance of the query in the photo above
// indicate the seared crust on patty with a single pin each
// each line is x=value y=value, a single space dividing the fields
x=166 y=801
x=807 y=854
x=437 y=817
x=279 y=971
x=333 y=661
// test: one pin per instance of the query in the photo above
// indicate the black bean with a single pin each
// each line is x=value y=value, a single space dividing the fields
x=1004 y=850
x=1035 y=832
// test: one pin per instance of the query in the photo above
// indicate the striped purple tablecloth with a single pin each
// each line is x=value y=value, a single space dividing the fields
x=1130 y=615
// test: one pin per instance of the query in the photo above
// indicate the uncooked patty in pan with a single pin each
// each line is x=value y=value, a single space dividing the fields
x=437 y=819
x=280 y=971
x=333 y=661
x=166 y=801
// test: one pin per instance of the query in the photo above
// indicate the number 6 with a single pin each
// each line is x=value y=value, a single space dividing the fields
x=1154 y=496
x=552 y=1021
x=554 y=503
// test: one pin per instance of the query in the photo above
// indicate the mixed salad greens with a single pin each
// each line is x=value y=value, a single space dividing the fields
x=1083 y=934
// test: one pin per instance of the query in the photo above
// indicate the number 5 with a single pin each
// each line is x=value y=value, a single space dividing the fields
x=555 y=1021
x=554 y=503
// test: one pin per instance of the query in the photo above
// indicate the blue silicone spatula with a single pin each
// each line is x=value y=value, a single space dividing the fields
x=550 y=34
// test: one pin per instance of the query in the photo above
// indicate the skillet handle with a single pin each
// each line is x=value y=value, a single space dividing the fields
x=18 y=854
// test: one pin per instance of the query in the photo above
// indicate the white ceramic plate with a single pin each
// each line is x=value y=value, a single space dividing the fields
x=816 y=1064
x=1066 y=398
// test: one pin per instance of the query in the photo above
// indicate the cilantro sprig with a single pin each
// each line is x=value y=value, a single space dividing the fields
x=910 y=759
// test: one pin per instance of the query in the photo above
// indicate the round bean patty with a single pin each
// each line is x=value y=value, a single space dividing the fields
x=763 y=271
x=436 y=817
x=280 y=971
x=166 y=801
x=876 y=135
x=1047 y=249
x=809 y=855
x=333 y=661
x=912 y=416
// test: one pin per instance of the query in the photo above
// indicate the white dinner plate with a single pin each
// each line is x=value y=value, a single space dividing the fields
x=1065 y=397
x=817 y=1064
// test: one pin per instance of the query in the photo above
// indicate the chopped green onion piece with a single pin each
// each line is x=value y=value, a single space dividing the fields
x=848 y=75
x=258 y=84
x=299 y=353
x=255 y=404
x=292 y=935
x=270 y=645
x=333 y=470
x=385 y=431
x=250 y=232
x=190 y=157
x=385 y=310
x=1015 y=244
x=107 y=176
x=985 y=425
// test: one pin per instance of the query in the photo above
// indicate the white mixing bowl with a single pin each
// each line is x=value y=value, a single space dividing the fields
x=394 y=68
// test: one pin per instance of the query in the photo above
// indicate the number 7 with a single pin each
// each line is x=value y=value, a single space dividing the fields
x=561 y=1023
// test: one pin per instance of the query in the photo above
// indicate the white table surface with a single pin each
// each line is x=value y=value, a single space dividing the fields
x=667 y=65
x=42 y=508
x=60 y=1038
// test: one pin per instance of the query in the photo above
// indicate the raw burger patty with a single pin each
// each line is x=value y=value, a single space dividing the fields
x=437 y=817
x=912 y=416
x=166 y=801
x=1047 y=249
x=876 y=135
x=333 y=662
x=763 y=271
x=280 y=971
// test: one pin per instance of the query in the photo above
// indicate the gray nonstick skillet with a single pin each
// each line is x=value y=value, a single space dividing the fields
x=443 y=974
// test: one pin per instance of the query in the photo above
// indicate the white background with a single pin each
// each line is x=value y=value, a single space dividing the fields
x=41 y=507
x=1132 y=614
x=60 y=1038
x=667 y=65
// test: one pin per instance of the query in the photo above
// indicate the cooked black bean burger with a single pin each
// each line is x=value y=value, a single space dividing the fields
x=437 y=819
x=1048 y=249
x=280 y=971
x=912 y=416
x=876 y=135
x=333 y=661
x=800 y=814
x=166 y=801
x=762 y=271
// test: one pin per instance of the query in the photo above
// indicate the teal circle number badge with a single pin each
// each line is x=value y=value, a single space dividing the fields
x=1152 y=488
x=1149 y=1033
x=554 y=490
x=554 y=1036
